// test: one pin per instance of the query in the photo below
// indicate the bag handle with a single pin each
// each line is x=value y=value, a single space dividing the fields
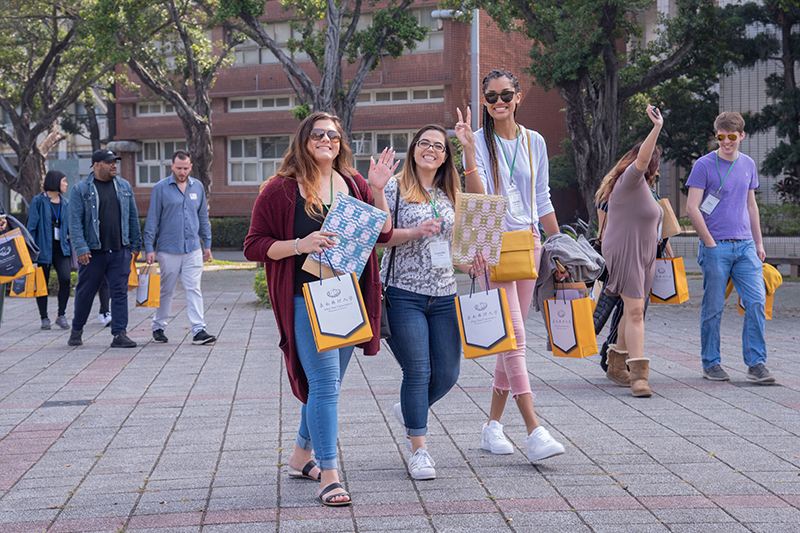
x=390 y=268
x=323 y=252
x=472 y=286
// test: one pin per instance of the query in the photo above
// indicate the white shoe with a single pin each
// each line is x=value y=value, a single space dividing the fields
x=398 y=414
x=493 y=439
x=421 y=465
x=102 y=319
x=541 y=445
x=105 y=320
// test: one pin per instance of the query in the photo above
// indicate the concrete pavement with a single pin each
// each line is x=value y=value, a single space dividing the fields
x=181 y=438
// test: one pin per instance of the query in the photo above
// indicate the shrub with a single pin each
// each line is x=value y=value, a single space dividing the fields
x=260 y=288
x=226 y=232
x=779 y=219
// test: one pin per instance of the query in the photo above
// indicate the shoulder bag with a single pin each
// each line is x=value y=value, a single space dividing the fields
x=516 y=252
x=386 y=330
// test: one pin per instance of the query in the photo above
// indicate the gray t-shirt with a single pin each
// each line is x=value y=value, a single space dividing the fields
x=413 y=270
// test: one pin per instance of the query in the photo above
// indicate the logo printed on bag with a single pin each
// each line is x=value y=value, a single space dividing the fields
x=561 y=314
x=661 y=270
x=481 y=306
x=5 y=250
x=333 y=293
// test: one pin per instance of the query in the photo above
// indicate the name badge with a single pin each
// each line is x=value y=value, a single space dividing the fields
x=57 y=233
x=193 y=195
x=440 y=254
x=515 y=206
x=710 y=203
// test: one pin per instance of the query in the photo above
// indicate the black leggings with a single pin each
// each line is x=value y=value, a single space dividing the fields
x=61 y=263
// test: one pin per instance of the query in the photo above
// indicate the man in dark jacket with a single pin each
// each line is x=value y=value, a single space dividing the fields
x=104 y=229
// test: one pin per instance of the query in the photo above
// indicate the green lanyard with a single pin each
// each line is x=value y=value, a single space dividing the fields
x=433 y=203
x=323 y=203
x=514 y=161
x=653 y=193
x=722 y=180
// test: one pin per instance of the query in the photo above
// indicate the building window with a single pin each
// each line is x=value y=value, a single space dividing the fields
x=272 y=103
x=252 y=160
x=415 y=95
x=154 y=160
x=435 y=40
x=151 y=109
x=366 y=144
x=250 y=53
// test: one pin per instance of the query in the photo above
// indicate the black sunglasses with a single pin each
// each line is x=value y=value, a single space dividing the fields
x=333 y=135
x=506 y=96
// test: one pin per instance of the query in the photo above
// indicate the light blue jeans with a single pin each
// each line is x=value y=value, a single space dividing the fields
x=319 y=423
x=739 y=261
x=427 y=345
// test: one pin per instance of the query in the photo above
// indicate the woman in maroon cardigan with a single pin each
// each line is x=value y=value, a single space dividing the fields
x=285 y=228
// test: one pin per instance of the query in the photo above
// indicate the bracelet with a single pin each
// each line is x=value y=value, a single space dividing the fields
x=470 y=171
x=296 y=251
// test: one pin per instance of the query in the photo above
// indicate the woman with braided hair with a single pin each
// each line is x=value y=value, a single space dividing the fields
x=507 y=159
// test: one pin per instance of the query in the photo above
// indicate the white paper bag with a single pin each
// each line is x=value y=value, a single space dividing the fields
x=562 y=325
x=337 y=306
x=482 y=314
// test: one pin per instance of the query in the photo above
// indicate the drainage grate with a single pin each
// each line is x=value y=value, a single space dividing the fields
x=66 y=403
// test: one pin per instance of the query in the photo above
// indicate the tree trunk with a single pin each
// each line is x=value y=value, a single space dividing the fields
x=200 y=146
x=31 y=170
x=94 y=128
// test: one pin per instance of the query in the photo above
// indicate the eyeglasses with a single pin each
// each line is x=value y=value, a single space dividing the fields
x=491 y=97
x=333 y=135
x=731 y=136
x=425 y=144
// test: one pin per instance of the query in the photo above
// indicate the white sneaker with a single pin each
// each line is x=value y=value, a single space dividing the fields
x=105 y=320
x=398 y=414
x=541 y=445
x=420 y=466
x=493 y=439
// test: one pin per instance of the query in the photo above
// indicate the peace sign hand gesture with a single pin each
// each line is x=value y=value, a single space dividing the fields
x=464 y=130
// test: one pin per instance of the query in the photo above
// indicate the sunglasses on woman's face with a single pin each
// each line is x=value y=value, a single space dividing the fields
x=491 y=96
x=731 y=136
x=333 y=135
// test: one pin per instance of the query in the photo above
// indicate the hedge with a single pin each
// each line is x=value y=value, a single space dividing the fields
x=226 y=232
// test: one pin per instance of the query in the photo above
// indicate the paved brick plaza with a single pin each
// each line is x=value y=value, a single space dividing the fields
x=182 y=438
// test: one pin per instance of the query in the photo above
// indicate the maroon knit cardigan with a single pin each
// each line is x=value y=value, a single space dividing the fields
x=272 y=221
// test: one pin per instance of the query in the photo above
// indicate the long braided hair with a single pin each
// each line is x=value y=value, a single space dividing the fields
x=488 y=123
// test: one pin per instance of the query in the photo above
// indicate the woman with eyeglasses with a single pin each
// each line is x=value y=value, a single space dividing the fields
x=507 y=159
x=421 y=286
x=630 y=242
x=48 y=224
x=285 y=228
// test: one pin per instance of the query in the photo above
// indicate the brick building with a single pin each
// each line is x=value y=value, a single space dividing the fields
x=252 y=102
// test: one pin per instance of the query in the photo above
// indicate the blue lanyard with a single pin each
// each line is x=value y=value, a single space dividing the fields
x=57 y=216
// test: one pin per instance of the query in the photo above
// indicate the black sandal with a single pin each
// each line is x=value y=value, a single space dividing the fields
x=327 y=501
x=306 y=472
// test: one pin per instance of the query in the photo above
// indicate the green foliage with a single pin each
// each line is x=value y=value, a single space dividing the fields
x=52 y=283
x=261 y=290
x=563 y=174
x=229 y=232
x=779 y=219
x=302 y=111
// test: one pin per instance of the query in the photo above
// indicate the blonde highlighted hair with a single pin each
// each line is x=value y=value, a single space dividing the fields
x=650 y=173
x=446 y=177
x=299 y=163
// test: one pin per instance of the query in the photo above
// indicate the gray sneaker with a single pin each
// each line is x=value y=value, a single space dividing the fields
x=760 y=374
x=715 y=373
x=45 y=323
x=62 y=322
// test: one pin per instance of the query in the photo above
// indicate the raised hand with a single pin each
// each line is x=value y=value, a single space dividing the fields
x=380 y=172
x=654 y=115
x=464 y=130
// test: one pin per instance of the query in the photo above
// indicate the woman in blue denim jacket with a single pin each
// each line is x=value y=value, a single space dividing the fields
x=48 y=223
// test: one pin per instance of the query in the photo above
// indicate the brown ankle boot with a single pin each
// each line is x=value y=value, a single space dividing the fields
x=617 y=369
x=640 y=370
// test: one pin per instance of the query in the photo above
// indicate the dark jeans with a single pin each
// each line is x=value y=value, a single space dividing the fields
x=426 y=343
x=61 y=264
x=115 y=267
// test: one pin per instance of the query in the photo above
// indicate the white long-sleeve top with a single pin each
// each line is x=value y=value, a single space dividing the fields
x=536 y=159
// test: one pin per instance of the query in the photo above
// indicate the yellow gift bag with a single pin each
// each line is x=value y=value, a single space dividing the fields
x=30 y=286
x=570 y=324
x=133 y=278
x=337 y=312
x=148 y=291
x=669 y=283
x=15 y=261
x=484 y=322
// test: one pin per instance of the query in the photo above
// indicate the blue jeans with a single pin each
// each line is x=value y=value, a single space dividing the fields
x=114 y=267
x=737 y=260
x=426 y=342
x=319 y=422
